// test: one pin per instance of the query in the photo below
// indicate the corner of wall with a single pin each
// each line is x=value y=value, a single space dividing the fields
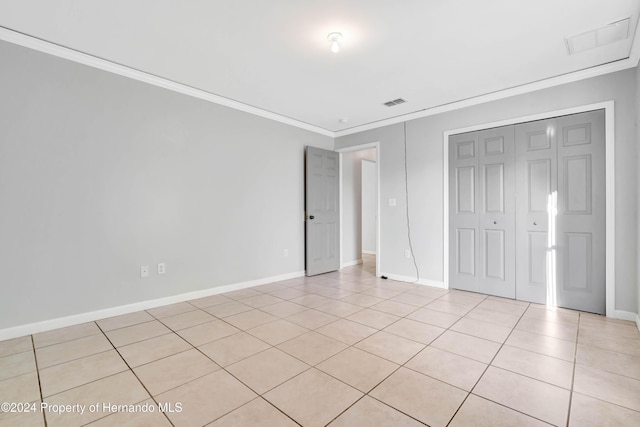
x=637 y=122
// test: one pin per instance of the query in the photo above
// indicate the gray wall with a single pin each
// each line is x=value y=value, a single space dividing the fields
x=425 y=169
x=100 y=174
x=352 y=203
x=369 y=205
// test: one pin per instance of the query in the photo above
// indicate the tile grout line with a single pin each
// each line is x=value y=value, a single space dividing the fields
x=315 y=367
x=487 y=368
x=35 y=359
x=573 y=372
x=403 y=365
x=134 y=374
x=223 y=368
x=66 y=341
x=470 y=391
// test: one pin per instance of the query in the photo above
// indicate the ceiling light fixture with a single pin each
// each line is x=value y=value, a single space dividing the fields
x=335 y=39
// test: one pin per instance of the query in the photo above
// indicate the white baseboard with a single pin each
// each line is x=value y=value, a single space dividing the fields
x=624 y=315
x=351 y=263
x=426 y=282
x=369 y=252
x=61 y=322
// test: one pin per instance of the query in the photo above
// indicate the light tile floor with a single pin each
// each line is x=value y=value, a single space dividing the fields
x=343 y=349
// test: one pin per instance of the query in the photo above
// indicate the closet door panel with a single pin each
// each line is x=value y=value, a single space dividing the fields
x=581 y=212
x=497 y=212
x=536 y=170
x=463 y=216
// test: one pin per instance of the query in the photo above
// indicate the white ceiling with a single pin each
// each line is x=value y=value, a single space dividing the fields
x=274 y=54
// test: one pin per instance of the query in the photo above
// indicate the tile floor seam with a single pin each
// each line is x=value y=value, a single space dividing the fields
x=175 y=331
x=485 y=369
x=544 y=335
x=151 y=396
x=404 y=365
x=318 y=369
x=78 y=358
x=18 y=375
x=612 y=351
x=171 y=332
x=610 y=403
x=536 y=352
x=275 y=386
x=157 y=360
x=122 y=327
x=171 y=315
x=88 y=382
x=20 y=352
x=322 y=372
x=509 y=408
x=256 y=398
x=65 y=341
x=346 y=409
x=573 y=371
x=391 y=333
x=606 y=401
x=39 y=382
x=396 y=409
x=390 y=374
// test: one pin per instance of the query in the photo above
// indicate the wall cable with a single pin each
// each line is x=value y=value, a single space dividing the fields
x=406 y=188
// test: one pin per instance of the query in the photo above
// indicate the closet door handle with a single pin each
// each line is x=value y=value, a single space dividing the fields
x=495 y=222
x=535 y=223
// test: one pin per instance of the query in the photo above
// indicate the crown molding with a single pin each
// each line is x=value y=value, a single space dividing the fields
x=599 y=70
x=122 y=70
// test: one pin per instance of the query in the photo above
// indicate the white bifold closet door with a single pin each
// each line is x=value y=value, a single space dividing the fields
x=529 y=222
x=482 y=219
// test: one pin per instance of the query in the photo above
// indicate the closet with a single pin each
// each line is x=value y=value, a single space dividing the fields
x=527 y=211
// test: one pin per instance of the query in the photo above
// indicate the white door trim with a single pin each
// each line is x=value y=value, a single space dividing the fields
x=610 y=196
x=375 y=145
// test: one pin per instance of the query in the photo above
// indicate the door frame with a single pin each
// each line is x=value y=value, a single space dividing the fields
x=610 y=213
x=366 y=146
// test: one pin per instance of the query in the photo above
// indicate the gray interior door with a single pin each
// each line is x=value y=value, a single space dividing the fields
x=581 y=212
x=482 y=217
x=322 y=211
x=536 y=171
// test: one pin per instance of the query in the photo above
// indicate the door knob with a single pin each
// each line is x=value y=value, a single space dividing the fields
x=495 y=222
x=311 y=217
x=535 y=223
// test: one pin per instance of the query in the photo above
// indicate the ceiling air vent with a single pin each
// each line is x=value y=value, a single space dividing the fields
x=394 y=102
x=599 y=37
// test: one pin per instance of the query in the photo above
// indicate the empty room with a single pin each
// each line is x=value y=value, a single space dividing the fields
x=319 y=213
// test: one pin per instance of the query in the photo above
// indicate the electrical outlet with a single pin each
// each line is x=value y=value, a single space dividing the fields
x=407 y=253
x=161 y=268
x=286 y=252
x=144 y=271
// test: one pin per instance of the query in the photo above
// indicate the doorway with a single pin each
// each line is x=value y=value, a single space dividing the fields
x=570 y=161
x=359 y=207
x=369 y=213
